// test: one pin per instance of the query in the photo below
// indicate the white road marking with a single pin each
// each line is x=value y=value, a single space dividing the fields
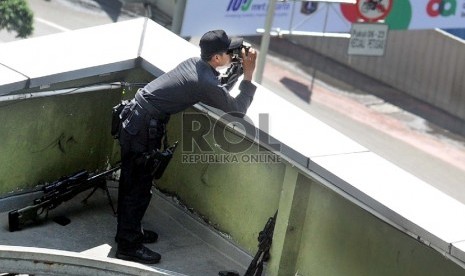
x=51 y=24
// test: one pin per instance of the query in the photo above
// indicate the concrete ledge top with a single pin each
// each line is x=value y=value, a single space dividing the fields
x=83 y=51
x=318 y=150
x=38 y=260
x=8 y=76
x=158 y=48
x=424 y=206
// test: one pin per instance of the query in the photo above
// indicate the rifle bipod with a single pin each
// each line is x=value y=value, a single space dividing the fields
x=104 y=187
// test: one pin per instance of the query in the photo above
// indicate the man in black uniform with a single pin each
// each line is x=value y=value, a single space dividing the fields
x=144 y=119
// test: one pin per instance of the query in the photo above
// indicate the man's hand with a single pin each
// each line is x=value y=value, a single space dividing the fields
x=248 y=63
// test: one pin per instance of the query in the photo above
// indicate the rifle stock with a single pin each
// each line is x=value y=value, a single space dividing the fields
x=17 y=218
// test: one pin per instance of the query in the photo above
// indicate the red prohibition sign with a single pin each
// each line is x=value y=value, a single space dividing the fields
x=374 y=10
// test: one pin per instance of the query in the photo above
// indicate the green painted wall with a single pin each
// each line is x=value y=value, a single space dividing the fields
x=45 y=138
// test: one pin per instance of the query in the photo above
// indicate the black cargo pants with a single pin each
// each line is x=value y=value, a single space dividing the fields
x=134 y=191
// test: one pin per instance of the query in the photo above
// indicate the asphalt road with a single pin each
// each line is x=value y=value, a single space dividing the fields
x=52 y=16
x=432 y=154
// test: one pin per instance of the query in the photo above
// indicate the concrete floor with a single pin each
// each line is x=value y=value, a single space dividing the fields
x=188 y=245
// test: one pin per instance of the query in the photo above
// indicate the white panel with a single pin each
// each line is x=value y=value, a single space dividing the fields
x=298 y=129
x=10 y=80
x=76 y=50
x=458 y=249
x=164 y=49
x=8 y=76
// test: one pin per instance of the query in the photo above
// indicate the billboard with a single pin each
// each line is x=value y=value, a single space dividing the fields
x=244 y=17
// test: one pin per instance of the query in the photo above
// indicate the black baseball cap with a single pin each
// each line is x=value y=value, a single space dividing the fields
x=217 y=41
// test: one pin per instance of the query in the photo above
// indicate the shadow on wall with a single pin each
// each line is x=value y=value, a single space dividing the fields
x=111 y=7
x=299 y=89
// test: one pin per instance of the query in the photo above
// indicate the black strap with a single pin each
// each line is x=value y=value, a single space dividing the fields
x=154 y=112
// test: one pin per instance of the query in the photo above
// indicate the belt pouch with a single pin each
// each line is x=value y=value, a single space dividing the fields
x=116 y=119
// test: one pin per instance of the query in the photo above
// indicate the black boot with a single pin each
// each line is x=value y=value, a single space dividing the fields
x=140 y=254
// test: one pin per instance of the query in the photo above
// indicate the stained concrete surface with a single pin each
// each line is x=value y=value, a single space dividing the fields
x=187 y=244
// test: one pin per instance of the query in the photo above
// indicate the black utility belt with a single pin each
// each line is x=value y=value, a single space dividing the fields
x=152 y=110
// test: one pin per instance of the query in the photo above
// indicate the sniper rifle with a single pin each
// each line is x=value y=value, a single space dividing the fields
x=58 y=192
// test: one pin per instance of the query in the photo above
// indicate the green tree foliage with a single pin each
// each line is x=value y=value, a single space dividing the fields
x=15 y=15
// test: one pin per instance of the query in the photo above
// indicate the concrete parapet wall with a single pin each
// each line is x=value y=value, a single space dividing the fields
x=318 y=232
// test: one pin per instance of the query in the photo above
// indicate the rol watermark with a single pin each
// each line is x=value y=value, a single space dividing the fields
x=232 y=141
x=222 y=158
